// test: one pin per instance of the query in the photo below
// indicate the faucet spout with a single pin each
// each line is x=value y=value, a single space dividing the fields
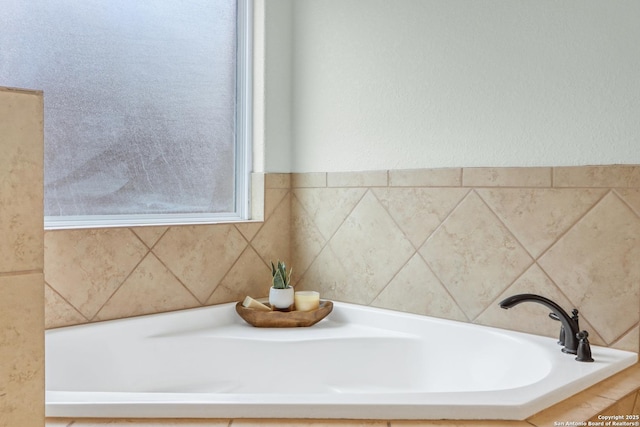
x=569 y=323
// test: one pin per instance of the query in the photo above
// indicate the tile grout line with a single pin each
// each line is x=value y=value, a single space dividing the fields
x=150 y=247
x=93 y=318
x=46 y=284
x=624 y=200
x=571 y=226
x=233 y=264
x=125 y=278
x=324 y=244
x=444 y=287
x=623 y=334
x=328 y=244
x=20 y=273
x=404 y=235
x=447 y=216
x=161 y=261
x=532 y=259
x=504 y=224
x=440 y=280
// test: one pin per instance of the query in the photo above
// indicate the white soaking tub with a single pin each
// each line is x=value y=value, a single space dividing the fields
x=359 y=362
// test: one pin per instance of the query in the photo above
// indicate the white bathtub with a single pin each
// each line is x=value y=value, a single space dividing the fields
x=359 y=362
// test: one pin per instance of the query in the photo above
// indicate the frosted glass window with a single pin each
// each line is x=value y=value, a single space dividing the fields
x=140 y=102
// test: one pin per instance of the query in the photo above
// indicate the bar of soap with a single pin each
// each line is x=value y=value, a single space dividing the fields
x=251 y=303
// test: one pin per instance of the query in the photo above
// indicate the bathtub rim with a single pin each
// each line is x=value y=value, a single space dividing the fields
x=234 y=406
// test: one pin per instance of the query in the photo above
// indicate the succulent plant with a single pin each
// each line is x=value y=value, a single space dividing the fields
x=281 y=279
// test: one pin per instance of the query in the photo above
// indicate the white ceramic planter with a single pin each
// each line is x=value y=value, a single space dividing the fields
x=281 y=299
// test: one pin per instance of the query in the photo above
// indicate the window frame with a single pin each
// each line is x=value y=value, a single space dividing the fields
x=243 y=150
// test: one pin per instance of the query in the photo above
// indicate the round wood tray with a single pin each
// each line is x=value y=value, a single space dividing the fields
x=284 y=319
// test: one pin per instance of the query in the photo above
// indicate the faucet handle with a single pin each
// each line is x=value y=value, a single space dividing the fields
x=555 y=317
x=574 y=315
x=584 y=349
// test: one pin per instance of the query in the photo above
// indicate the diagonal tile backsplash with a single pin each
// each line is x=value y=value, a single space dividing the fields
x=85 y=267
x=419 y=211
x=100 y=274
x=571 y=234
x=449 y=243
x=596 y=264
x=371 y=247
x=474 y=255
x=187 y=250
x=538 y=217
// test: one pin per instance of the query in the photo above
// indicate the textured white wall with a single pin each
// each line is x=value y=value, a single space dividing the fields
x=386 y=84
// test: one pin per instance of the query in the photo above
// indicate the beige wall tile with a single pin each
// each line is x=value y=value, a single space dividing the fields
x=371 y=247
x=21 y=350
x=149 y=235
x=506 y=177
x=306 y=239
x=358 y=179
x=249 y=229
x=200 y=255
x=597 y=176
x=415 y=289
x=151 y=288
x=274 y=198
x=629 y=341
x=448 y=177
x=537 y=217
x=277 y=180
x=335 y=286
x=87 y=266
x=604 y=279
x=21 y=259
x=250 y=275
x=631 y=196
x=272 y=242
x=474 y=255
x=327 y=208
x=21 y=183
x=309 y=180
x=58 y=312
x=419 y=211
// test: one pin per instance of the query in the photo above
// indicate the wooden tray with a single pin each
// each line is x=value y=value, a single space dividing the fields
x=284 y=319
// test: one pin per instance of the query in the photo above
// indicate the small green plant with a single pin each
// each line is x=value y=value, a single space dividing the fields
x=281 y=279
